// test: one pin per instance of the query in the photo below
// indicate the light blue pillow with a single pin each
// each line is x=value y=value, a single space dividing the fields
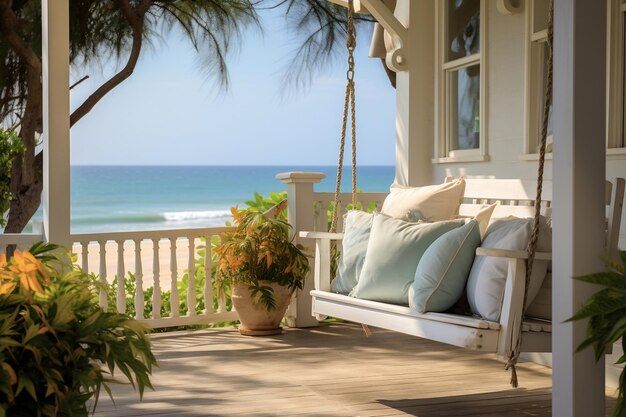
x=393 y=252
x=357 y=227
x=443 y=270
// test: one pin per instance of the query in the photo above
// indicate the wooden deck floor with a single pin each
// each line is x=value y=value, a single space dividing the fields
x=331 y=371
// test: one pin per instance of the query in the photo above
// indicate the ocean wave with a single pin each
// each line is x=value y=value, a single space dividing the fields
x=174 y=216
x=177 y=216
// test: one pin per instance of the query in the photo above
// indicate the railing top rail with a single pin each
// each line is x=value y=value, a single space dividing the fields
x=19 y=238
x=149 y=234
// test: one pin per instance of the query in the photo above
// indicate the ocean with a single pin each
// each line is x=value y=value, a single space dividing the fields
x=122 y=198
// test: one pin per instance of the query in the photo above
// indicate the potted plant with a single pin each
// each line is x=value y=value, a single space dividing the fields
x=58 y=348
x=263 y=267
x=606 y=311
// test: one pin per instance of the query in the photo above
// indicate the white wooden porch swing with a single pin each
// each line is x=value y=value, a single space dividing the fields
x=518 y=329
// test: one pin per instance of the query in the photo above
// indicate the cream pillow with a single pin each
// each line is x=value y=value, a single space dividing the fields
x=430 y=203
x=483 y=217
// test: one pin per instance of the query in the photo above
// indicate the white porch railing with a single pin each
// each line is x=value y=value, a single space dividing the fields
x=20 y=240
x=156 y=259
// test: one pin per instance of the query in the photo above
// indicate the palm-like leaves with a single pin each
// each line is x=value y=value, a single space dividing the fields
x=320 y=27
x=100 y=32
x=212 y=26
x=606 y=311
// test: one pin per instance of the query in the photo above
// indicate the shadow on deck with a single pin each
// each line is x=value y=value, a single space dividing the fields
x=329 y=371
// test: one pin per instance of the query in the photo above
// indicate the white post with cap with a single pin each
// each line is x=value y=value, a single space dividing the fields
x=301 y=215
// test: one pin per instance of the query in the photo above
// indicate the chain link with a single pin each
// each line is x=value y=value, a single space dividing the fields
x=348 y=107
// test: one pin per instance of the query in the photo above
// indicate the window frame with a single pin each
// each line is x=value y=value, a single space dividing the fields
x=616 y=83
x=533 y=84
x=443 y=70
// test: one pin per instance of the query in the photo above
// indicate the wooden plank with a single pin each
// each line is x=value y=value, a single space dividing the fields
x=329 y=371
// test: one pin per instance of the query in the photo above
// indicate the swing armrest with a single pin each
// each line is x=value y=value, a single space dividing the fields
x=516 y=254
x=513 y=297
x=322 y=257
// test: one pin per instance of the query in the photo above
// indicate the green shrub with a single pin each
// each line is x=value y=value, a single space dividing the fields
x=57 y=346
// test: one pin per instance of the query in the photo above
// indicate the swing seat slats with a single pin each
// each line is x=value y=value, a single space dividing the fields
x=466 y=332
x=515 y=197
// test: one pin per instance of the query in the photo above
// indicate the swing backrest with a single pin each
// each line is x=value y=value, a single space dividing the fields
x=514 y=197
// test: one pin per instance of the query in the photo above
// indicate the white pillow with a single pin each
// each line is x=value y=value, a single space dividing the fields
x=430 y=203
x=485 y=285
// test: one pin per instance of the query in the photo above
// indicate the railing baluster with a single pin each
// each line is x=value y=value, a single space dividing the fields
x=156 y=271
x=208 y=277
x=85 y=256
x=191 y=289
x=221 y=297
x=121 y=272
x=103 y=276
x=139 y=305
x=84 y=246
x=174 y=278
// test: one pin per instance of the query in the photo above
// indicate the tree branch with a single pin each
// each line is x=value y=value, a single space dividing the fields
x=8 y=27
x=135 y=18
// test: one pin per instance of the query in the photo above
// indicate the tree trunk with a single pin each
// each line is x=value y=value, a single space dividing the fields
x=27 y=173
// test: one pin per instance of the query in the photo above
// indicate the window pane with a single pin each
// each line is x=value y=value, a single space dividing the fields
x=463 y=28
x=464 y=108
x=540 y=15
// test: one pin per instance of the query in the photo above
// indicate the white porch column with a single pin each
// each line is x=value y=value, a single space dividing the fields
x=415 y=94
x=578 y=217
x=56 y=120
x=301 y=217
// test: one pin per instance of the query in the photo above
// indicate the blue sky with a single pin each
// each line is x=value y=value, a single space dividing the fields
x=170 y=112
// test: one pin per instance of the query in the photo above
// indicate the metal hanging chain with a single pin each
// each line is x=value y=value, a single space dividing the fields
x=532 y=244
x=348 y=107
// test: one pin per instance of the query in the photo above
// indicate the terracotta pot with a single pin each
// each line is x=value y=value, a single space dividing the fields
x=254 y=317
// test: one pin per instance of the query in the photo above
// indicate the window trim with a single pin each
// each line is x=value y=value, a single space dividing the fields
x=443 y=68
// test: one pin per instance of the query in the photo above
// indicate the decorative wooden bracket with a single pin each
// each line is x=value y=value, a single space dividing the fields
x=396 y=58
x=509 y=6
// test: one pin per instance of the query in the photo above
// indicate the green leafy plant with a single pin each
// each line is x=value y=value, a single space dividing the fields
x=58 y=348
x=606 y=311
x=261 y=203
x=260 y=249
x=11 y=148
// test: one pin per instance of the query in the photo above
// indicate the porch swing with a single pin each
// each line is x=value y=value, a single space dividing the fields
x=518 y=329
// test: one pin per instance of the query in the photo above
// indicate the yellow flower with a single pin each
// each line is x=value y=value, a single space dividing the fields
x=5 y=287
x=27 y=268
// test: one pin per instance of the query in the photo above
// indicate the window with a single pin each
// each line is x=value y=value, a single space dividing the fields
x=616 y=85
x=460 y=55
x=536 y=75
